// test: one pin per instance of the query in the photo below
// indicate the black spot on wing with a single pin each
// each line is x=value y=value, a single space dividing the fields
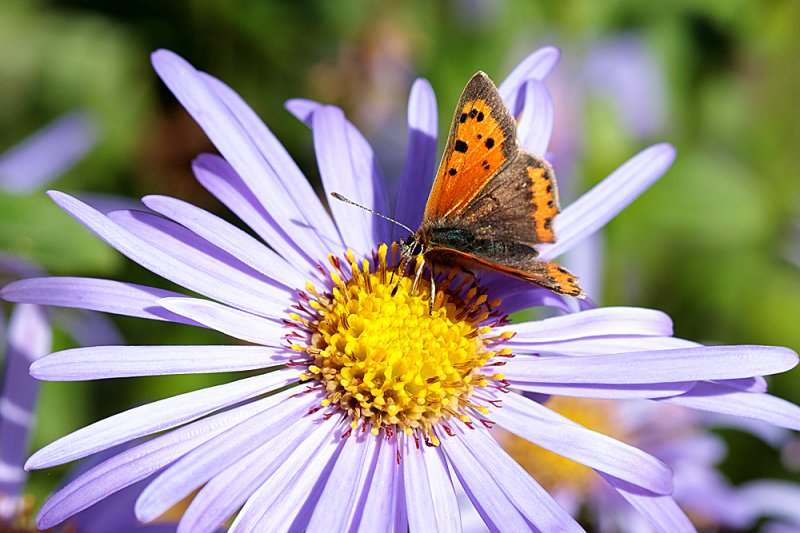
x=460 y=146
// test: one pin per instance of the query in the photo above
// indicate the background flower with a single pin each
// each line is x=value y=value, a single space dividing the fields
x=683 y=440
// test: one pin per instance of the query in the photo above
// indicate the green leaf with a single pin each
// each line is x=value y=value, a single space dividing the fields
x=34 y=228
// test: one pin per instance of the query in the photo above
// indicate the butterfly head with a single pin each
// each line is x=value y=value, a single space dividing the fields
x=414 y=245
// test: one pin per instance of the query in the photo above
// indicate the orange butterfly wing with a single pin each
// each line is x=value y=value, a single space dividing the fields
x=481 y=143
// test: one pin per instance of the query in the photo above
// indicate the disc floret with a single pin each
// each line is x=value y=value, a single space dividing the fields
x=387 y=358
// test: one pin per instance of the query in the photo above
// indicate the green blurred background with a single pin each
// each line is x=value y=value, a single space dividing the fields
x=715 y=243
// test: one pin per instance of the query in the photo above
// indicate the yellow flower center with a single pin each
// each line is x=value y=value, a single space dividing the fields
x=553 y=471
x=387 y=358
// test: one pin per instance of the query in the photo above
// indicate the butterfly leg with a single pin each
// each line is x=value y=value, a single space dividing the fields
x=399 y=268
x=418 y=274
x=433 y=289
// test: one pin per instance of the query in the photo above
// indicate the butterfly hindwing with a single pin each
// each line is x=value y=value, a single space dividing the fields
x=516 y=205
x=522 y=265
x=482 y=142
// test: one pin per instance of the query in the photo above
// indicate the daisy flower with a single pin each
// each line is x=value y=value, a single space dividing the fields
x=361 y=408
x=681 y=439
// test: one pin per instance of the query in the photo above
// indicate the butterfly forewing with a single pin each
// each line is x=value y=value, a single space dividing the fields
x=482 y=142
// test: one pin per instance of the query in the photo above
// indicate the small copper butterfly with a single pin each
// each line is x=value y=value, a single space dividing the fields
x=491 y=201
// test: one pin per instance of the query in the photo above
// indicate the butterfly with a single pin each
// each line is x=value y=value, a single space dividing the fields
x=491 y=202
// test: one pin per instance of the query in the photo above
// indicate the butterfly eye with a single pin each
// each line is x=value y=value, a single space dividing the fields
x=413 y=246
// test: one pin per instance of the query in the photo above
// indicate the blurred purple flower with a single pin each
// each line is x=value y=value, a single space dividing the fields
x=39 y=159
x=47 y=154
x=366 y=403
x=678 y=437
x=623 y=70
x=27 y=339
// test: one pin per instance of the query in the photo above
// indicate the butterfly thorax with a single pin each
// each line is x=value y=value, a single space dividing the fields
x=438 y=237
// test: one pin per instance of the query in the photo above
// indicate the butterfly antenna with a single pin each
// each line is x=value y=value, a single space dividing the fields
x=351 y=202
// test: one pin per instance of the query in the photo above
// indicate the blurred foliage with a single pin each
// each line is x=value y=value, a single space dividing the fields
x=709 y=244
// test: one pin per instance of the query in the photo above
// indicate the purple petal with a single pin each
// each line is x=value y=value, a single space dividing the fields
x=104 y=295
x=752 y=384
x=536 y=121
x=285 y=169
x=659 y=366
x=139 y=462
x=535 y=504
x=341 y=173
x=229 y=238
x=227 y=492
x=215 y=455
x=219 y=178
x=208 y=277
x=47 y=154
x=348 y=166
x=29 y=337
x=534 y=67
x=482 y=488
x=720 y=399
x=538 y=424
x=533 y=297
x=102 y=362
x=107 y=203
x=420 y=163
x=221 y=497
x=773 y=498
x=774 y=436
x=288 y=497
x=382 y=502
x=602 y=321
x=589 y=260
x=661 y=511
x=594 y=209
x=617 y=392
x=186 y=247
x=429 y=492
x=155 y=417
x=341 y=501
x=227 y=320
x=235 y=143
x=602 y=345
x=302 y=109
